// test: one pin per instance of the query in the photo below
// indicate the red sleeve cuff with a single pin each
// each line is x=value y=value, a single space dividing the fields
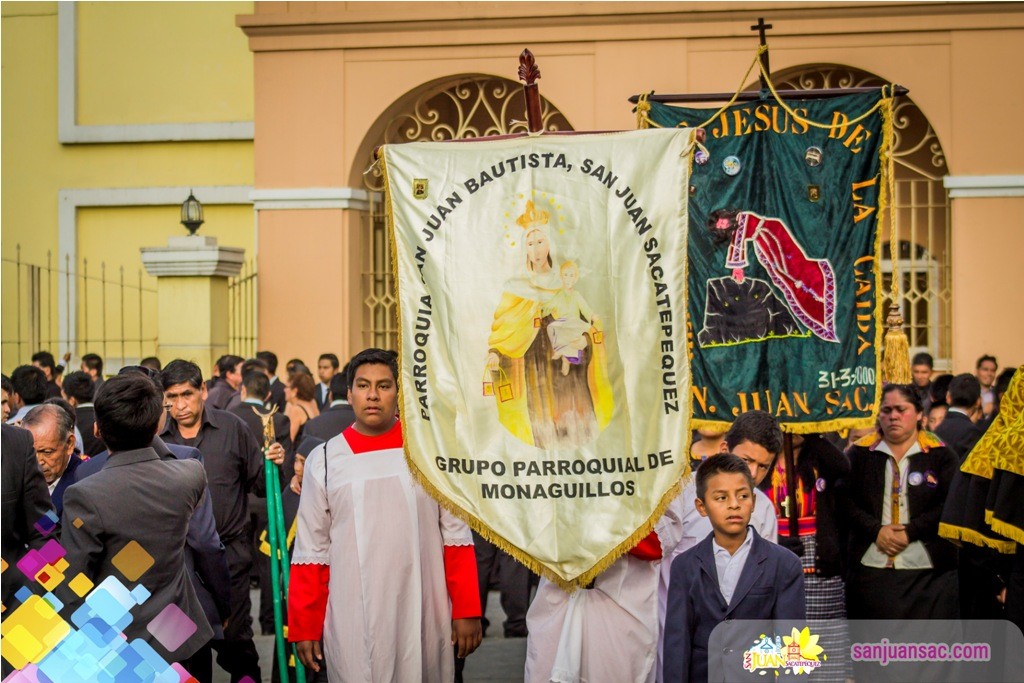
x=648 y=549
x=307 y=601
x=461 y=577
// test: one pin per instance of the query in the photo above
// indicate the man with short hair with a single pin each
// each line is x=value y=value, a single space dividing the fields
x=224 y=392
x=338 y=415
x=396 y=570
x=6 y=389
x=921 y=368
x=137 y=498
x=29 y=384
x=78 y=391
x=151 y=362
x=255 y=391
x=25 y=502
x=204 y=554
x=44 y=361
x=326 y=368
x=234 y=465
x=958 y=430
x=53 y=435
x=92 y=364
x=985 y=370
x=276 y=386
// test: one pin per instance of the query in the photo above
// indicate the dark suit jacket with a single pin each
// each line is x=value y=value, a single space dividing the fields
x=321 y=397
x=282 y=435
x=277 y=395
x=771 y=586
x=220 y=394
x=331 y=422
x=959 y=433
x=66 y=480
x=205 y=557
x=24 y=500
x=864 y=497
x=85 y=418
x=139 y=497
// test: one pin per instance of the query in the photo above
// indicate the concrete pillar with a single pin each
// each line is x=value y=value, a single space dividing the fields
x=192 y=297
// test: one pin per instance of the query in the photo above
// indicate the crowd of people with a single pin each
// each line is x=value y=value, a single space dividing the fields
x=388 y=585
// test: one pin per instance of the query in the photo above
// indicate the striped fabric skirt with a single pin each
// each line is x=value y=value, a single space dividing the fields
x=826 y=617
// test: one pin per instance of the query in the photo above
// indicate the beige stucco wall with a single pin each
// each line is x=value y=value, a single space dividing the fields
x=325 y=73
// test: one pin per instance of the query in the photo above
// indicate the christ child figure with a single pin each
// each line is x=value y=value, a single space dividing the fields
x=572 y=318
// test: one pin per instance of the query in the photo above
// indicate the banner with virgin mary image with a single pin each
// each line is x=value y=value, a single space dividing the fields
x=784 y=283
x=545 y=390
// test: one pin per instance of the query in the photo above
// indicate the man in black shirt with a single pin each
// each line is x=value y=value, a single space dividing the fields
x=234 y=467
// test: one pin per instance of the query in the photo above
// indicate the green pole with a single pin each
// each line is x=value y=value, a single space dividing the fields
x=282 y=535
x=273 y=508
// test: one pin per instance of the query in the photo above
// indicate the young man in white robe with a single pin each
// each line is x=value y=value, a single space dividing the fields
x=380 y=573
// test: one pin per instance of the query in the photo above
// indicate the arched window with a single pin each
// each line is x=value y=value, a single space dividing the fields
x=470 y=106
x=921 y=210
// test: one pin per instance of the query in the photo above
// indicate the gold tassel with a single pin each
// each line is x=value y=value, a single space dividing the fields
x=896 y=358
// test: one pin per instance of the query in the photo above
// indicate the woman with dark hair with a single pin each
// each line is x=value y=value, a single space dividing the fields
x=899 y=566
x=301 y=402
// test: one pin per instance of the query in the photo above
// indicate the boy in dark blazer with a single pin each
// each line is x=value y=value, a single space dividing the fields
x=731 y=574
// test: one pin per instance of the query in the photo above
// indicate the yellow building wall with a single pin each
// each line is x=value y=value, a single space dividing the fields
x=137 y=63
x=187 y=57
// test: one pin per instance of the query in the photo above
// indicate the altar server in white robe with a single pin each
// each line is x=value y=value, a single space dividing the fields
x=380 y=573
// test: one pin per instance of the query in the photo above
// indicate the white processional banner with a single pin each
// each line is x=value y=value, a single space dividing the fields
x=545 y=389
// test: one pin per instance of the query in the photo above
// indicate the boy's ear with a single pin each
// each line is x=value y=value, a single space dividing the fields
x=723 y=447
x=699 y=504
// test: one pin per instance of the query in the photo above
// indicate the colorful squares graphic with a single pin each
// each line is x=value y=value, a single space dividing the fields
x=47 y=523
x=78 y=523
x=23 y=594
x=132 y=561
x=31 y=632
x=81 y=585
x=140 y=594
x=49 y=578
x=52 y=551
x=32 y=563
x=171 y=627
x=54 y=602
x=110 y=602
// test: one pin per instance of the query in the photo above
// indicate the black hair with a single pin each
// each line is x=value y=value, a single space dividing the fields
x=721 y=463
x=227 y=363
x=78 y=385
x=179 y=371
x=977 y=366
x=940 y=385
x=938 y=404
x=256 y=383
x=757 y=427
x=270 y=358
x=331 y=357
x=93 y=362
x=923 y=358
x=1003 y=381
x=339 y=385
x=964 y=391
x=254 y=364
x=65 y=420
x=5 y=384
x=153 y=375
x=151 y=362
x=907 y=392
x=128 y=410
x=45 y=359
x=29 y=383
x=372 y=357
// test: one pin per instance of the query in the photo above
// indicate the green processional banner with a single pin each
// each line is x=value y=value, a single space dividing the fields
x=784 y=286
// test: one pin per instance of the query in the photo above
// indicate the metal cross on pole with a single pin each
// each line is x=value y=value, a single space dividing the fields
x=761 y=27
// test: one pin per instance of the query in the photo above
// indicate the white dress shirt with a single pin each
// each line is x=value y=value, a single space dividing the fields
x=915 y=555
x=730 y=566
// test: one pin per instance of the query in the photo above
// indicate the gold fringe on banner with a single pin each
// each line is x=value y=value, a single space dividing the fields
x=896 y=358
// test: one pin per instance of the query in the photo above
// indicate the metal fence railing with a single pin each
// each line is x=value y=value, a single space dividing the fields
x=112 y=313
x=242 y=313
